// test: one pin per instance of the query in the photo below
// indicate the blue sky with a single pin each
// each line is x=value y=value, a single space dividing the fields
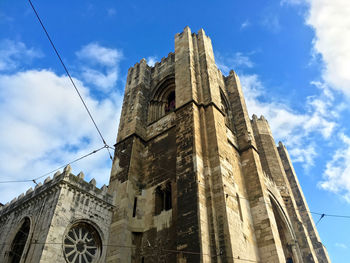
x=292 y=56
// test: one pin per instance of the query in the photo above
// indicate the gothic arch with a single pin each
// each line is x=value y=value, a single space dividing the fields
x=162 y=99
x=19 y=244
x=285 y=231
x=225 y=107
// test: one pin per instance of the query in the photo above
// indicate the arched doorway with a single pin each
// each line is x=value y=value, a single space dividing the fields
x=19 y=242
x=285 y=232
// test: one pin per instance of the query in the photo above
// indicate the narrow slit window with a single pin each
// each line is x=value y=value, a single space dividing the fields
x=135 y=206
x=167 y=200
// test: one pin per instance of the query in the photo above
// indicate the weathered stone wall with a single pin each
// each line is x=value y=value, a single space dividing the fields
x=279 y=187
x=37 y=205
x=230 y=198
x=78 y=201
x=52 y=208
x=307 y=224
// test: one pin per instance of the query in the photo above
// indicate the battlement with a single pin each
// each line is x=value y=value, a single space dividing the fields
x=256 y=119
x=58 y=181
x=261 y=125
x=187 y=31
x=170 y=59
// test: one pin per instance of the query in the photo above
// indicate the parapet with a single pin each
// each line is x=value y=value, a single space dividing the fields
x=59 y=180
x=169 y=60
x=138 y=74
x=256 y=119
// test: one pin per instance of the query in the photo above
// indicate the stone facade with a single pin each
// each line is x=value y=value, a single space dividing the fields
x=34 y=226
x=196 y=179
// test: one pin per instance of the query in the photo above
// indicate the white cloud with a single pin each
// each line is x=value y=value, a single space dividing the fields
x=293 y=128
x=237 y=60
x=293 y=2
x=44 y=125
x=341 y=245
x=11 y=52
x=245 y=24
x=95 y=53
x=271 y=22
x=151 y=61
x=104 y=81
x=101 y=65
x=331 y=23
x=336 y=177
x=240 y=60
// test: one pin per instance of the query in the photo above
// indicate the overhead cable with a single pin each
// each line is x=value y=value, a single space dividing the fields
x=69 y=76
x=41 y=176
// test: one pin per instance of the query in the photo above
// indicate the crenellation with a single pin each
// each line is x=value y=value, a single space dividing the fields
x=67 y=170
x=41 y=190
x=56 y=174
x=191 y=173
x=81 y=175
x=48 y=179
x=93 y=182
x=37 y=186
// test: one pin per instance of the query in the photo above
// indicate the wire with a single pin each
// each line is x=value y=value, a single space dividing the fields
x=133 y=247
x=69 y=76
x=330 y=215
x=322 y=216
x=92 y=119
x=302 y=210
x=41 y=176
x=169 y=172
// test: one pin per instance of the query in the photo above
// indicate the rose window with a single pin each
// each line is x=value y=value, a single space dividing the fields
x=82 y=244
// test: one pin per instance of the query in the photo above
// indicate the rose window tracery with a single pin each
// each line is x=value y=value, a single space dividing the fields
x=82 y=244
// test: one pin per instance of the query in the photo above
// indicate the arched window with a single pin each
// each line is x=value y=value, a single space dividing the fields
x=19 y=242
x=227 y=110
x=170 y=106
x=162 y=100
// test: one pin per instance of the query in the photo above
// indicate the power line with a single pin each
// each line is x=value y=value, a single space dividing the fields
x=69 y=76
x=322 y=216
x=301 y=210
x=169 y=172
x=41 y=176
x=134 y=247
x=330 y=215
x=92 y=119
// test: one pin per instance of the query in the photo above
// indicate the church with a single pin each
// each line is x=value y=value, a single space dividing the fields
x=194 y=179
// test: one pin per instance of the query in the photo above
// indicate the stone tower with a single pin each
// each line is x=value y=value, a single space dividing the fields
x=194 y=178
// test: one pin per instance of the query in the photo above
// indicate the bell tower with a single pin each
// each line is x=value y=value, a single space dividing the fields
x=194 y=178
